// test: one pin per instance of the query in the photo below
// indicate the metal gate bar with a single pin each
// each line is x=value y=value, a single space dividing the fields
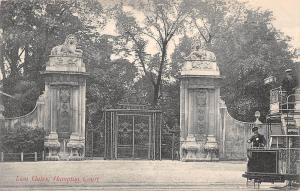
x=149 y=142
x=140 y=149
x=133 y=137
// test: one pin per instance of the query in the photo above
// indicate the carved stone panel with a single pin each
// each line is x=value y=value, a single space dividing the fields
x=64 y=112
x=199 y=110
x=69 y=79
x=64 y=61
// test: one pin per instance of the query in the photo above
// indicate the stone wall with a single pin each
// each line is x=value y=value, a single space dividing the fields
x=33 y=119
x=60 y=111
x=233 y=139
x=233 y=136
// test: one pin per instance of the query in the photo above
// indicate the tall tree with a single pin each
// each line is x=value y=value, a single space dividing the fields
x=29 y=29
x=248 y=49
x=109 y=80
x=250 y=52
x=213 y=18
x=162 y=21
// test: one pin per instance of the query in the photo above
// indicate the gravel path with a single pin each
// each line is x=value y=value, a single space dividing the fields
x=124 y=175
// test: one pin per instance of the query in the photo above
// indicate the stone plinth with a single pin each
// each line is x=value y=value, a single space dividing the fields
x=207 y=68
x=75 y=146
x=65 y=90
x=71 y=63
x=190 y=147
x=212 y=148
x=199 y=107
x=297 y=100
x=52 y=144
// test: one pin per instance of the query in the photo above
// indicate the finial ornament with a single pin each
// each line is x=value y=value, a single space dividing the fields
x=257 y=121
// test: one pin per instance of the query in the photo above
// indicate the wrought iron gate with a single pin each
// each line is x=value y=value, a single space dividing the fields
x=132 y=132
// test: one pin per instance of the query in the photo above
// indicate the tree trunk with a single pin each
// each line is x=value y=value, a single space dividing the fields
x=2 y=61
x=26 y=59
x=156 y=94
x=157 y=86
x=14 y=57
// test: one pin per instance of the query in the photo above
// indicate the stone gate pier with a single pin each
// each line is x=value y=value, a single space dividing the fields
x=199 y=107
x=64 y=106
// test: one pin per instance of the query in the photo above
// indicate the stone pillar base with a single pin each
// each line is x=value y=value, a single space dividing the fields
x=74 y=158
x=298 y=167
x=63 y=156
x=212 y=157
x=52 y=144
x=191 y=150
x=52 y=158
x=212 y=148
x=75 y=146
x=82 y=140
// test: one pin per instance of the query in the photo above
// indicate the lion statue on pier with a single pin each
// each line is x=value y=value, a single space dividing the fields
x=69 y=47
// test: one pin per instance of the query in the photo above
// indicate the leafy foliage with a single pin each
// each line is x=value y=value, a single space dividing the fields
x=249 y=53
x=40 y=25
x=163 y=20
x=247 y=46
x=248 y=49
x=22 y=139
x=29 y=30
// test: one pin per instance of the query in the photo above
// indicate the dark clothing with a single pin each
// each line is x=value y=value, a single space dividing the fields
x=258 y=140
x=288 y=84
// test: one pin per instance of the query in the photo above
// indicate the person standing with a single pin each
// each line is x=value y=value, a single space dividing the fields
x=289 y=82
x=257 y=139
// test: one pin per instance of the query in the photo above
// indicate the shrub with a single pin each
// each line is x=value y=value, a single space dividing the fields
x=22 y=139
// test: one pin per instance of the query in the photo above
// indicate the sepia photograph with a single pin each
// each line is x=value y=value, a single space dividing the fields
x=150 y=95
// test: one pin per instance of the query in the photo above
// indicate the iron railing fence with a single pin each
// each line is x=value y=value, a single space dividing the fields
x=288 y=147
x=281 y=101
x=22 y=157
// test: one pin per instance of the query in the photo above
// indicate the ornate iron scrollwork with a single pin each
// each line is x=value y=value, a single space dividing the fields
x=141 y=133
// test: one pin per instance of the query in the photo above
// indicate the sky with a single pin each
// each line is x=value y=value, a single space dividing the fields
x=286 y=14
